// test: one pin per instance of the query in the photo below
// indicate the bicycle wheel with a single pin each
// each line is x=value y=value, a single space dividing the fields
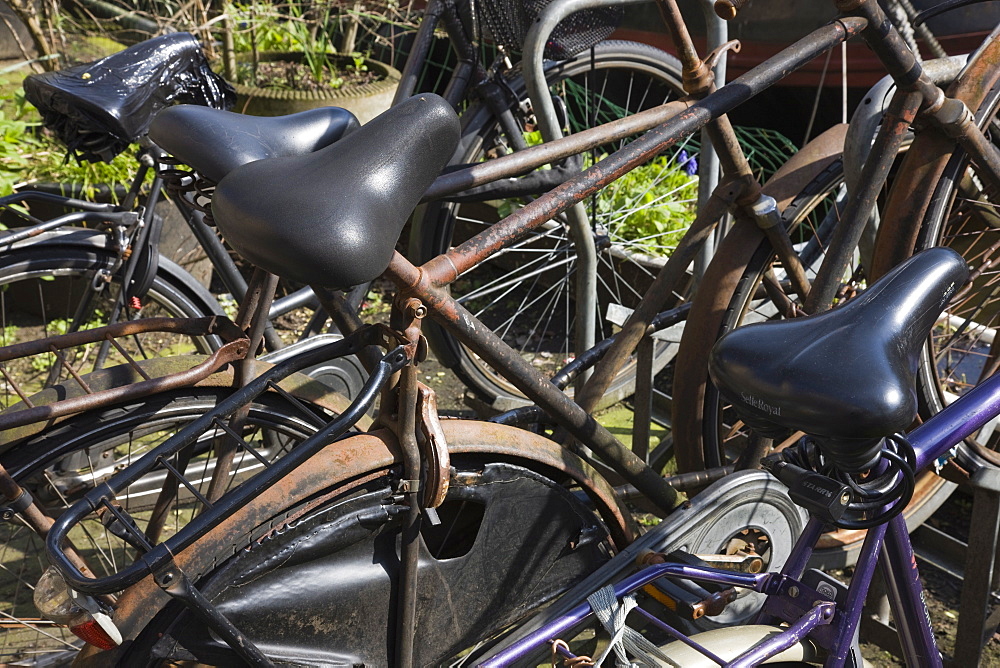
x=963 y=348
x=316 y=583
x=704 y=434
x=525 y=293
x=59 y=466
x=48 y=289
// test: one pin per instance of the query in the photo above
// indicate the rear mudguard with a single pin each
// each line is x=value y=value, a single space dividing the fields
x=343 y=461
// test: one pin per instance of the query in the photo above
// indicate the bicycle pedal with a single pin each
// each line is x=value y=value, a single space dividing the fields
x=686 y=598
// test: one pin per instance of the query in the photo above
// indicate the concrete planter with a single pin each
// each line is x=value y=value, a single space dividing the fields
x=366 y=101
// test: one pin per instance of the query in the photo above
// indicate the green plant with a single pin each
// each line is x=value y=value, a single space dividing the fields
x=318 y=29
x=29 y=155
x=17 y=150
x=299 y=26
x=660 y=196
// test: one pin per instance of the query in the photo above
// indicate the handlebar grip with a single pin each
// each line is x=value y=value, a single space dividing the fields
x=728 y=9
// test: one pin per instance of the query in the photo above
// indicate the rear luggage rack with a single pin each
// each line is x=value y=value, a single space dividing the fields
x=128 y=381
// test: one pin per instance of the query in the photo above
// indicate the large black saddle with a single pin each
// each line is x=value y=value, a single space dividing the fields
x=847 y=374
x=215 y=142
x=332 y=218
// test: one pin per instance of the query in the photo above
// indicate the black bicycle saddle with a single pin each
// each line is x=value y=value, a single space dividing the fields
x=99 y=108
x=215 y=142
x=847 y=374
x=332 y=218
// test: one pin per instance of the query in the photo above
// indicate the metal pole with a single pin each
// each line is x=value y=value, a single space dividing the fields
x=548 y=125
x=717 y=33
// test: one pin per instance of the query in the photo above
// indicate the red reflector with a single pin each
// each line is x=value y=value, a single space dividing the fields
x=94 y=634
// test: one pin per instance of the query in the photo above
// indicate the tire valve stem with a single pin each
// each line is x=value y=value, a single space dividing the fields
x=135 y=303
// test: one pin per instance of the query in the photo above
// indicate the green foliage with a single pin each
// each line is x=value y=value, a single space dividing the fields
x=29 y=155
x=229 y=305
x=18 y=146
x=375 y=304
x=298 y=27
x=661 y=201
x=259 y=27
x=9 y=335
x=58 y=327
x=652 y=206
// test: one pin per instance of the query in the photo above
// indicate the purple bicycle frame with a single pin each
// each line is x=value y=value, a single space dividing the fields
x=887 y=547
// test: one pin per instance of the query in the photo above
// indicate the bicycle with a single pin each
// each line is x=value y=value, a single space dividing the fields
x=741 y=287
x=64 y=274
x=854 y=469
x=412 y=283
x=648 y=75
x=533 y=451
x=70 y=468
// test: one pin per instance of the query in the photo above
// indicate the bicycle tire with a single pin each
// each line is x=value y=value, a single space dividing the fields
x=42 y=284
x=542 y=285
x=961 y=351
x=727 y=287
x=59 y=465
x=357 y=627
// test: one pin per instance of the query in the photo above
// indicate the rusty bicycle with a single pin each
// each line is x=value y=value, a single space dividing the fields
x=257 y=514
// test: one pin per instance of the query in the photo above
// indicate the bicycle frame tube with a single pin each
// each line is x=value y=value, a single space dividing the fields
x=548 y=124
x=418 y=53
x=445 y=268
x=887 y=547
x=906 y=597
x=958 y=421
x=426 y=282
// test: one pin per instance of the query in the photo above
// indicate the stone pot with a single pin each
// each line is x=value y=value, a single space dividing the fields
x=366 y=101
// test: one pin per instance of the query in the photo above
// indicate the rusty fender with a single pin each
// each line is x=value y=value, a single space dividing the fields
x=924 y=164
x=339 y=462
x=726 y=269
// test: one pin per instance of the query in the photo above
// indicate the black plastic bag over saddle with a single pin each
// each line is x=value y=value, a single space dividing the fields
x=99 y=108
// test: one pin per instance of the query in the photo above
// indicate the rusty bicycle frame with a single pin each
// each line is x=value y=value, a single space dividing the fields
x=738 y=191
x=422 y=289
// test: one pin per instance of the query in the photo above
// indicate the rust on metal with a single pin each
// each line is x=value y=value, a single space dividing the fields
x=13 y=385
x=659 y=294
x=697 y=77
x=895 y=124
x=128 y=358
x=38 y=521
x=473 y=333
x=444 y=269
x=229 y=352
x=713 y=58
x=218 y=325
x=66 y=365
x=345 y=460
x=434 y=446
x=468 y=436
x=721 y=278
x=533 y=157
x=297 y=384
x=921 y=170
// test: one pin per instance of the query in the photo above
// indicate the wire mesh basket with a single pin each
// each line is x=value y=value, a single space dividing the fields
x=507 y=22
